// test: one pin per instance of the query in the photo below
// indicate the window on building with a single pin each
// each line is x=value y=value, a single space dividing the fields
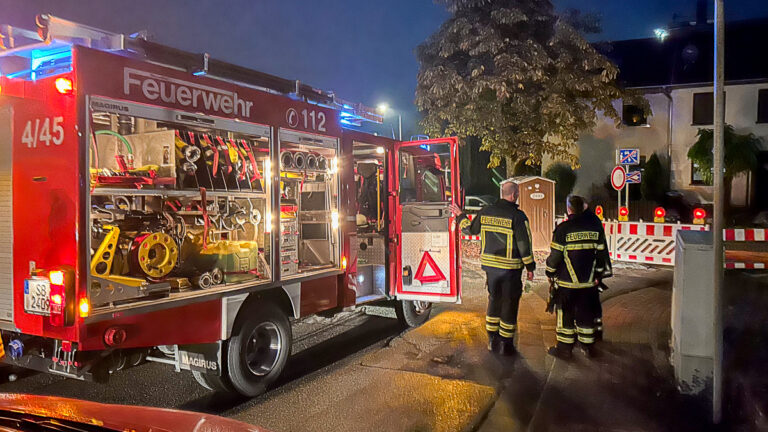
x=700 y=176
x=762 y=105
x=703 y=108
x=633 y=115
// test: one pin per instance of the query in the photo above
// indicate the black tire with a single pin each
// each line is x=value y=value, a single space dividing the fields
x=411 y=313
x=213 y=382
x=253 y=361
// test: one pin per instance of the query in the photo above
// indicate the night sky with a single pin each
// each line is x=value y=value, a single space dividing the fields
x=362 y=50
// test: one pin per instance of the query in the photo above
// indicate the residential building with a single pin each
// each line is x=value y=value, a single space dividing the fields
x=674 y=73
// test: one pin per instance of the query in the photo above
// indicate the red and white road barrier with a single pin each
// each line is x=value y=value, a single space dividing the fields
x=654 y=243
x=746 y=235
x=744 y=265
x=644 y=242
x=470 y=237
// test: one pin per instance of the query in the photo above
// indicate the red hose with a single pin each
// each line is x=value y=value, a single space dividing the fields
x=206 y=221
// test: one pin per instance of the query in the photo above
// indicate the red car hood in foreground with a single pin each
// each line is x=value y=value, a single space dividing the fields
x=119 y=417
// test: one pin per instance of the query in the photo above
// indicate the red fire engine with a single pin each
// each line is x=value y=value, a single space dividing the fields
x=157 y=205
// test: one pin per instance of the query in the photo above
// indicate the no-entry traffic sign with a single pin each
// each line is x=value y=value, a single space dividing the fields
x=618 y=178
x=634 y=177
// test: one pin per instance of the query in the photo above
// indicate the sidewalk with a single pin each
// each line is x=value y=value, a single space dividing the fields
x=440 y=376
x=629 y=388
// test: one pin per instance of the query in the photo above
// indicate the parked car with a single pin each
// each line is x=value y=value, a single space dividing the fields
x=22 y=412
x=473 y=203
x=678 y=208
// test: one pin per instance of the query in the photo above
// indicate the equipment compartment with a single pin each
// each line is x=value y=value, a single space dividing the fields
x=176 y=206
x=309 y=197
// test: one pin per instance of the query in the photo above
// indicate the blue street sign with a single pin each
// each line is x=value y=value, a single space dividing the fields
x=629 y=156
x=634 y=177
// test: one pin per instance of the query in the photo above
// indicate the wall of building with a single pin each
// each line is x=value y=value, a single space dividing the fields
x=597 y=150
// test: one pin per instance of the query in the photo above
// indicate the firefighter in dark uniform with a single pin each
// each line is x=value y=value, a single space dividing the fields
x=506 y=248
x=577 y=263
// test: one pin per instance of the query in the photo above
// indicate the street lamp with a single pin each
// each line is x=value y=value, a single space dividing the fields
x=383 y=109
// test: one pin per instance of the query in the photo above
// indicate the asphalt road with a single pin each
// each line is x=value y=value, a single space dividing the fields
x=319 y=344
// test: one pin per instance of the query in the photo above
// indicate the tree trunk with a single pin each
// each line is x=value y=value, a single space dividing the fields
x=510 y=166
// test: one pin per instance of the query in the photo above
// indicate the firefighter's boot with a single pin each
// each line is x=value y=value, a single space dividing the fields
x=507 y=346
x=590 y=350
x=561 y=351
x=494 y=342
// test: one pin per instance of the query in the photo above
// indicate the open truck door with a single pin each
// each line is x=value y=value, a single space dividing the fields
x=426 y=238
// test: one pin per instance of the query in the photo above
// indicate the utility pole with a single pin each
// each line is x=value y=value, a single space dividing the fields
x=717 y=216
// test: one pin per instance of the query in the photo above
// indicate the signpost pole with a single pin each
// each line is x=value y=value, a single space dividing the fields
x=618 y=181
x=618 y=206
x=717 y=216
x=626 y=200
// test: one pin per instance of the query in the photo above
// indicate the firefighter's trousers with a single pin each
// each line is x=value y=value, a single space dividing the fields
x=598 y=311
x=576 y=313
x=504 y=290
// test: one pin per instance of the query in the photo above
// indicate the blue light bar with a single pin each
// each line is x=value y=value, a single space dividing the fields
x=40 y=58
x=44 y=62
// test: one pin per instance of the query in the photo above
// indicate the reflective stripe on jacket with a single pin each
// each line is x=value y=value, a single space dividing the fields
x=579 y=252
x=505 y=236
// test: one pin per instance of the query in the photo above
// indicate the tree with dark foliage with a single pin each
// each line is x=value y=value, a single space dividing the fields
x=518 y=77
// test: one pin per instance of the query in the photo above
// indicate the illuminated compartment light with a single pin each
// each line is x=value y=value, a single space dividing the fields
x=334 y=167
x=335 y=219
x=380 y=150
x=268 y=222
x=360 y=278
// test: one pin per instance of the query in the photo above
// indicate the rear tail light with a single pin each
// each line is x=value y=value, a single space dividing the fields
x=62 y=304
x=56 y=277
x=84 y=308
x=64 y=85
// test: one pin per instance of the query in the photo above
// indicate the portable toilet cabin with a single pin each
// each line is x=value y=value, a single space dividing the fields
x=537 y=200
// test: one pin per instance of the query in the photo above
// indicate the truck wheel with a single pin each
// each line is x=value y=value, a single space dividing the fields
x=213 y=382
x=259 y=348
x=412 y=313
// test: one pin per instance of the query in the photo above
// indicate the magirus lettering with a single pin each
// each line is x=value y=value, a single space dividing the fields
x=186 y=94
x=195 y=360
x=109 y=106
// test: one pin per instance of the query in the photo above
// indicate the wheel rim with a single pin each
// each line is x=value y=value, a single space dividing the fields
x=421 y=307
x=263 y=349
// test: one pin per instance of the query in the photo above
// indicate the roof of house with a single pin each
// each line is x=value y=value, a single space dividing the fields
x=685 y=56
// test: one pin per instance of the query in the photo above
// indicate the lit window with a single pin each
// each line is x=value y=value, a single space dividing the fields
x=633 y=115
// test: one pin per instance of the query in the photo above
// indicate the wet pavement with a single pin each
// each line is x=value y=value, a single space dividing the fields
x=358 y=372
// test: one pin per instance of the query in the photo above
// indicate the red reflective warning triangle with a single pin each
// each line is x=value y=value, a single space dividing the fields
x=438 y=275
